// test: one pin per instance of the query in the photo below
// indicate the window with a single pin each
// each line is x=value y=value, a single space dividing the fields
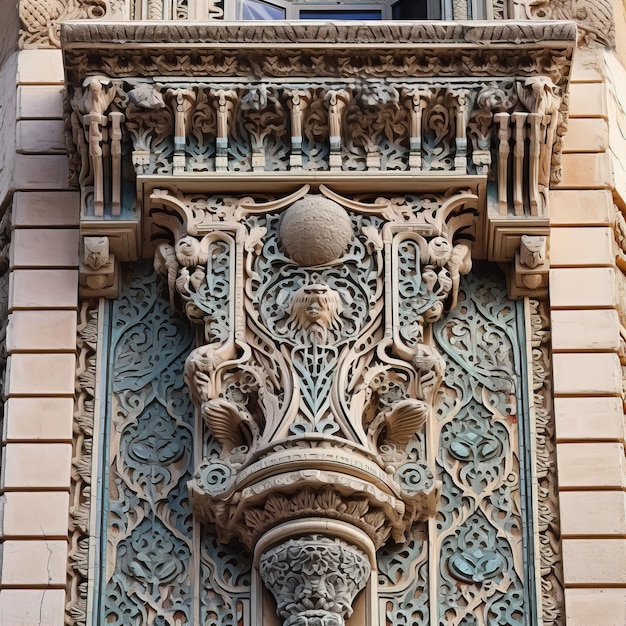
x=336 y=11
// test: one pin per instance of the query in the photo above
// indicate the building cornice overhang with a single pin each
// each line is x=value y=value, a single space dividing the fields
x=503 y=84
x=101 y=34
x=548 y=47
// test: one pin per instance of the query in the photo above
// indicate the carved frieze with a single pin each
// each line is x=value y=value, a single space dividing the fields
x=384 y=102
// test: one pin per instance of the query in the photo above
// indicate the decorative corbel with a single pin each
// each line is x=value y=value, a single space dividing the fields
x=529 y=275
x=92 y=104
x=99 y=275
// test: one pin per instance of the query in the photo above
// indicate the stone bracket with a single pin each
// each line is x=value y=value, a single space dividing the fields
x=99 y=274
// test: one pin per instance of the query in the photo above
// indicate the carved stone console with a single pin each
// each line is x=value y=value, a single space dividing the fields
x=312 y=209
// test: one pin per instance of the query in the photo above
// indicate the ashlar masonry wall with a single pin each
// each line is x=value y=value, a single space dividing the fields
x=585 y=303
x=41 y=342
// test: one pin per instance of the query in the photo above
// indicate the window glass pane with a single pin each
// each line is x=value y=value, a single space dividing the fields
x=256 y=10
x=410 y=10
x=340 y=15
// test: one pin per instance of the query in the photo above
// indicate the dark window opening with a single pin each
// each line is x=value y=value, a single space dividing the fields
x=340 y=14
x=411 y=10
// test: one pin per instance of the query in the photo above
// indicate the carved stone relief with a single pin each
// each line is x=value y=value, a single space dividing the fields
x=469 y=557
x=409 y=100
x=277 y=357
x=150 y=536
x=595 y=18
x=81 y=526
x=423 y=128
x=314 y=579
x=345 y=374
x=552 y=595
x=149 y=542
x=41 y=19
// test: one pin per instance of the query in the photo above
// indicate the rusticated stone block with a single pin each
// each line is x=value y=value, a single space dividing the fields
x=26 y=607
x=36 y=514
x=589 y=418
x=39 y=419
x=594 y=561
x=582 y=288
x=578 y=330
x=587 y=465
x=35 y=466
x=34 y=563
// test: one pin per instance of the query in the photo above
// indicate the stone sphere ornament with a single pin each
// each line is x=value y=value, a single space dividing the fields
x=315 y=231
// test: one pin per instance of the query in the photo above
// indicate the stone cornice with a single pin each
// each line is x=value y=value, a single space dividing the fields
x=92 y=34
x=292 y=49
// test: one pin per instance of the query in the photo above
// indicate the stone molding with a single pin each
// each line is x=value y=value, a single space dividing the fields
x=269 y=34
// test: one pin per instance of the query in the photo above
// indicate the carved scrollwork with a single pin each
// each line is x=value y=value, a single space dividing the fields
x=296 y=347
x=81 y=525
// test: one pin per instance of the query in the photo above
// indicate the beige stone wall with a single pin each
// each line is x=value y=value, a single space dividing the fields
x=41 y=341
x=586 y=342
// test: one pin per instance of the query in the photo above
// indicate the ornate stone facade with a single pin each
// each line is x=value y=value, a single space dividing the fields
x=331 y=418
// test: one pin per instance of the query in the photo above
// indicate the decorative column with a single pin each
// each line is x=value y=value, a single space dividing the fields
x=314 y=579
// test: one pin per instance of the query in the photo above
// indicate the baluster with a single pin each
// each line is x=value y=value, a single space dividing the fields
x=224 y=101
x=417 y=102
x=182 y=101
x=337 y=102
x=504 y=135
x=460 y=157
x=297 y=103
x=519 y=123
x=95 y=122
x=116 y=119
x=535 y=125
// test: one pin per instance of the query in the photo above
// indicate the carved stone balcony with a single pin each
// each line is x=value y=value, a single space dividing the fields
x=419 y=106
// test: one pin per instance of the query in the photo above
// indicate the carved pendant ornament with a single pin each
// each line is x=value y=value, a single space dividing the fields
x=317 y=365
